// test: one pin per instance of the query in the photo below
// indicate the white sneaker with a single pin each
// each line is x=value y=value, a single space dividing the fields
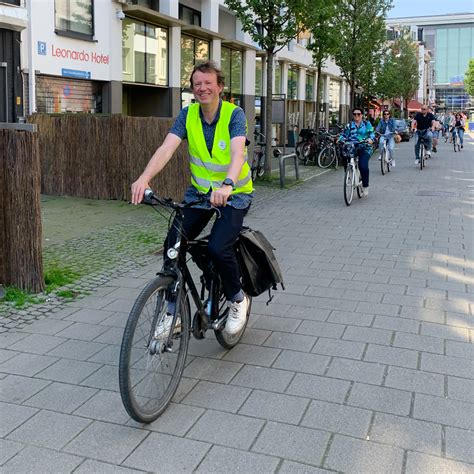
x=365 y=191
x=417 y=162
x=393 y=163
x=379 y=158
x=428 y=154
x=163 y=327
x=237 y=317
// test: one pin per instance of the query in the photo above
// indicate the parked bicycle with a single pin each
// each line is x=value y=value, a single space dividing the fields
x=307 y=149
x=329 y=154
x=155 y=344
x=259 y=152
x=352 y=177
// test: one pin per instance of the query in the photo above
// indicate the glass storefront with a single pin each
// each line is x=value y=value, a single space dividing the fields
x=277 y=79
x=292 y=83
x=309 y=94
x=453 y=49
x=232 y=64
x=144 y=53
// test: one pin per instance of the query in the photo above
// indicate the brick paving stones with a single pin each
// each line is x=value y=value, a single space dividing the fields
x=363 y=365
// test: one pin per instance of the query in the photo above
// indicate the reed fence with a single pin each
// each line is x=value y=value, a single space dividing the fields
x=99 y=157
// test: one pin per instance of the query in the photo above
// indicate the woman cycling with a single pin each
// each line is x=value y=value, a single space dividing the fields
x=457 y=125
x=386 y=128
x=361 y=133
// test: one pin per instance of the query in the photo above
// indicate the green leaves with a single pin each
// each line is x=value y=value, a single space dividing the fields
x=469 y=78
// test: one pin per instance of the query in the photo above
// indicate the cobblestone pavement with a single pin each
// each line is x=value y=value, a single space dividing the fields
x=364 y=363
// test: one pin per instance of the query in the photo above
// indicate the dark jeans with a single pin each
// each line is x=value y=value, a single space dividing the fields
x=224 y=234
x=364 y=156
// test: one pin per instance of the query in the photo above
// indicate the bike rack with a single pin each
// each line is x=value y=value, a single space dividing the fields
x=282 y=161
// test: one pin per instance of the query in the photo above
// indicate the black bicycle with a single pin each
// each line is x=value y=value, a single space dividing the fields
x=258 y=162
x=155 y=342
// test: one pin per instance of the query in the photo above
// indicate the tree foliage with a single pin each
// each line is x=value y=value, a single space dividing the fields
x=362 y=33
x=399 y=75
x=469 y=78
x=272 y=24
x=318 y=19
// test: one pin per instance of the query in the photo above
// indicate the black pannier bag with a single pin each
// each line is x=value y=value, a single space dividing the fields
x=258 y=265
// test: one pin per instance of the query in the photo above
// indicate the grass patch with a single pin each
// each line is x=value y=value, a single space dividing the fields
x=19 y=298
x=55 y=277
x=147 y=238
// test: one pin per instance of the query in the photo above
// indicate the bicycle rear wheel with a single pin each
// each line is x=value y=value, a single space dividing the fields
x=349 y=185
x=326 y=156
x=225 y=340
x=149 y=372
x=305 y=155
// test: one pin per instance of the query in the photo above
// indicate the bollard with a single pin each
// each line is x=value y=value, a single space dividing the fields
x=282 y=161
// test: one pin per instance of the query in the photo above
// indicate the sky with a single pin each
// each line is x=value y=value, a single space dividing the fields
x=402 y=8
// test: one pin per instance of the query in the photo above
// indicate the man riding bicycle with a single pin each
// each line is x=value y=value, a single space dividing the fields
x=360 y=132
x=216 y=135
x=423 y=123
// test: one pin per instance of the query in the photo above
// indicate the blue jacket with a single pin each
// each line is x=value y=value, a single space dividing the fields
x=382 y=126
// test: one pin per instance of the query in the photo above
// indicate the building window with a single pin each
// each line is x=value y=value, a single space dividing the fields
x=74 y=17
x=189 y=15
x=334 y=96
x=292 y=84
x=277 y=77
x=144 y=53
x=309 y=95
x=258 y=76
x=193 y=51
x=231 y=64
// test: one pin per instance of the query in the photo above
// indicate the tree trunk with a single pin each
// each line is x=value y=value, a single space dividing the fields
x=352 y=85
x=318 y=101
x=268 y=116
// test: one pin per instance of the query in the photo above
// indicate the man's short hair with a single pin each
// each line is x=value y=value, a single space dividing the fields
x=208 y=66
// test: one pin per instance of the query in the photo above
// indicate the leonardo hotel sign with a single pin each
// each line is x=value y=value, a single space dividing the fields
x=73 y=54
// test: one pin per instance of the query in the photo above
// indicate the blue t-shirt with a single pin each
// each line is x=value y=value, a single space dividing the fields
x=237 y=128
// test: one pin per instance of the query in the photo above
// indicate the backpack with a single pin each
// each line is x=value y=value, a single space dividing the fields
x=258 y=265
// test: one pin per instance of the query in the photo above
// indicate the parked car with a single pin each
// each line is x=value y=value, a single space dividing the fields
x=401 y=126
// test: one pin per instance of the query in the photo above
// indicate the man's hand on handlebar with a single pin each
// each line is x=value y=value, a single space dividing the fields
x=219 y=197
x=138 y=188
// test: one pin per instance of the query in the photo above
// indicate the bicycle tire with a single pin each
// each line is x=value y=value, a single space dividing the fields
x=348 y=185
x=137 y=363
x=383 y=161
x=224 y=339
x=305 y=152
x=326 y=156
x=261 y=169
x=359 y=187
x=422 y=156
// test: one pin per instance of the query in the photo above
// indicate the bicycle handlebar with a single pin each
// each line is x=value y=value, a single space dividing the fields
x=151 y=199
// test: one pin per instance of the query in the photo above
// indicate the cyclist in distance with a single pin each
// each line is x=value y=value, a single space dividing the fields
x=216 y=135
x=436 y=129
x=386 y=128
x=361 y=133
x=458 y=124
x=423 y=123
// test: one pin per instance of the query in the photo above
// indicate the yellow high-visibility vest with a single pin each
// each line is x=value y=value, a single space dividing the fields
x=206 y=171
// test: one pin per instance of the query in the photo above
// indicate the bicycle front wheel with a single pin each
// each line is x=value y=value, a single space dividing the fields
x=149 y=369
x=326 y=157
x=349 y=185
x=422 y=156
x=383 y=161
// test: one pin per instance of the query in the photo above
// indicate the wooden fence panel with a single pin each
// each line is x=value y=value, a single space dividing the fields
x=20 y=215
x=99 y=157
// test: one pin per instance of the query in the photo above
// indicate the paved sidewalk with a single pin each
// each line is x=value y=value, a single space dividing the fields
x=364 y=363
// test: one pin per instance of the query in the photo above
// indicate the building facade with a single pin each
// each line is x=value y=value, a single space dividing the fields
x=13 y=20
x=135 y=57
x=446 y=43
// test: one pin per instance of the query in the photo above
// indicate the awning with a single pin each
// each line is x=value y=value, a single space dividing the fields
x=414 y=106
